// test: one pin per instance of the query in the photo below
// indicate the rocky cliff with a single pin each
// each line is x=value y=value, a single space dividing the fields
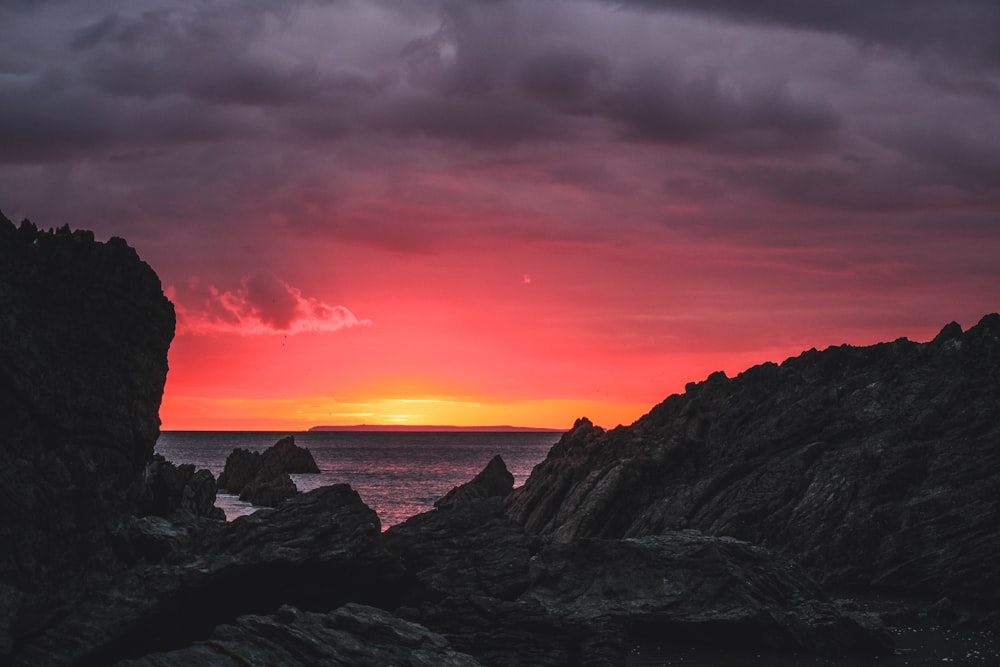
x=871 y=466
x=84 y=331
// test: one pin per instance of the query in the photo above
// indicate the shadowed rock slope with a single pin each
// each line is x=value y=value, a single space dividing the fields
x=871 y=466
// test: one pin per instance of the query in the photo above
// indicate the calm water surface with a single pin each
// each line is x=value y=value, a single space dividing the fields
x=397 y=474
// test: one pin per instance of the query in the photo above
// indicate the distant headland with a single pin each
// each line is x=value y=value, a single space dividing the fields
x=416 y=428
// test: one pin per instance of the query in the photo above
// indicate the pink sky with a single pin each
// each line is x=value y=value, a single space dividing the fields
x=515 y=212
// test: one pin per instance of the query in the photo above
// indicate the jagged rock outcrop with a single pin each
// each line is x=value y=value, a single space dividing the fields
x=84 y=332
x=263 y=478
x=286 y=456
x=350 y=635
x=242 y=465
x=169 y=488
x=317 y=552
x=871 y=466
x=493 y=480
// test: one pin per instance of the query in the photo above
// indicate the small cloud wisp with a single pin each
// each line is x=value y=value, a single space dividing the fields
x=263 y=304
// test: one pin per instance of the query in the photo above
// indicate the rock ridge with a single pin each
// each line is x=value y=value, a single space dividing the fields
x=871 y=466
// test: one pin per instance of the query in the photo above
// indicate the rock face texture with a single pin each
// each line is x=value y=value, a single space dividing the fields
x=262 y=478
x=169 y=488
x=509 y=598
x=84 y=332
x=871 y=466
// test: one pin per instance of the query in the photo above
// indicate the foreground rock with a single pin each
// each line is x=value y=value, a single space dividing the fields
x=317 y=552
x=351 y=635
x=84 y=331
x=508 y=598
x=873 y=467
x=263 y=478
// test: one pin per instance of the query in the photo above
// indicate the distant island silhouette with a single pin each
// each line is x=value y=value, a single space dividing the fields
x=415 y=428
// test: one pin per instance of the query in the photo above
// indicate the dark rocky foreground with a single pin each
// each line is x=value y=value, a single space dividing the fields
x=704 y=522
x=872 y=467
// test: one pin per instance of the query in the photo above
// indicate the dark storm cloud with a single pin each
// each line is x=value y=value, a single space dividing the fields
x=288 y=111
x=665 y=106
x=567 y=79
x=970 y=28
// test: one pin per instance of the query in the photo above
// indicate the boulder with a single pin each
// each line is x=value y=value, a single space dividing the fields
x=493 y=480
x=870 y=466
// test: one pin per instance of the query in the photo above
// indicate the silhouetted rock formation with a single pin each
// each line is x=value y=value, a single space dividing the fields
x=493 y=480
x=269 y=489
x=262 y=478
x=286 y=456
x=871 y=466
x=169 y=488
x=84 y=331
x=242 y=465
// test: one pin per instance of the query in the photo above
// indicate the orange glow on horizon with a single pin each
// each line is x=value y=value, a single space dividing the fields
x=183 y=413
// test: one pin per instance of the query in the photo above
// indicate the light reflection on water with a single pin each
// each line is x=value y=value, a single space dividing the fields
x=396 y=474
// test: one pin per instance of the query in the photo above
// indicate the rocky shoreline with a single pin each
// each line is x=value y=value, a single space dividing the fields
x=758 y=513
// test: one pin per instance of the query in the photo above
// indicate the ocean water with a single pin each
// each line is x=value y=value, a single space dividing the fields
x=397 y=474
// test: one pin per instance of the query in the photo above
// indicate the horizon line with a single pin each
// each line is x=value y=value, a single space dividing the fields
x=399 y=428
x=439 y=428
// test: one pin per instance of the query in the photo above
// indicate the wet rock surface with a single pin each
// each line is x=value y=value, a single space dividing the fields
x=870 y=466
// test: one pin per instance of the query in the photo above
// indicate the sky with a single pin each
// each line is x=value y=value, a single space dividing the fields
x=484 y=212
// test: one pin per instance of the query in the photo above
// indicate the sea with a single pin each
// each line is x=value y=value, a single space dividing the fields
x=398 y=474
